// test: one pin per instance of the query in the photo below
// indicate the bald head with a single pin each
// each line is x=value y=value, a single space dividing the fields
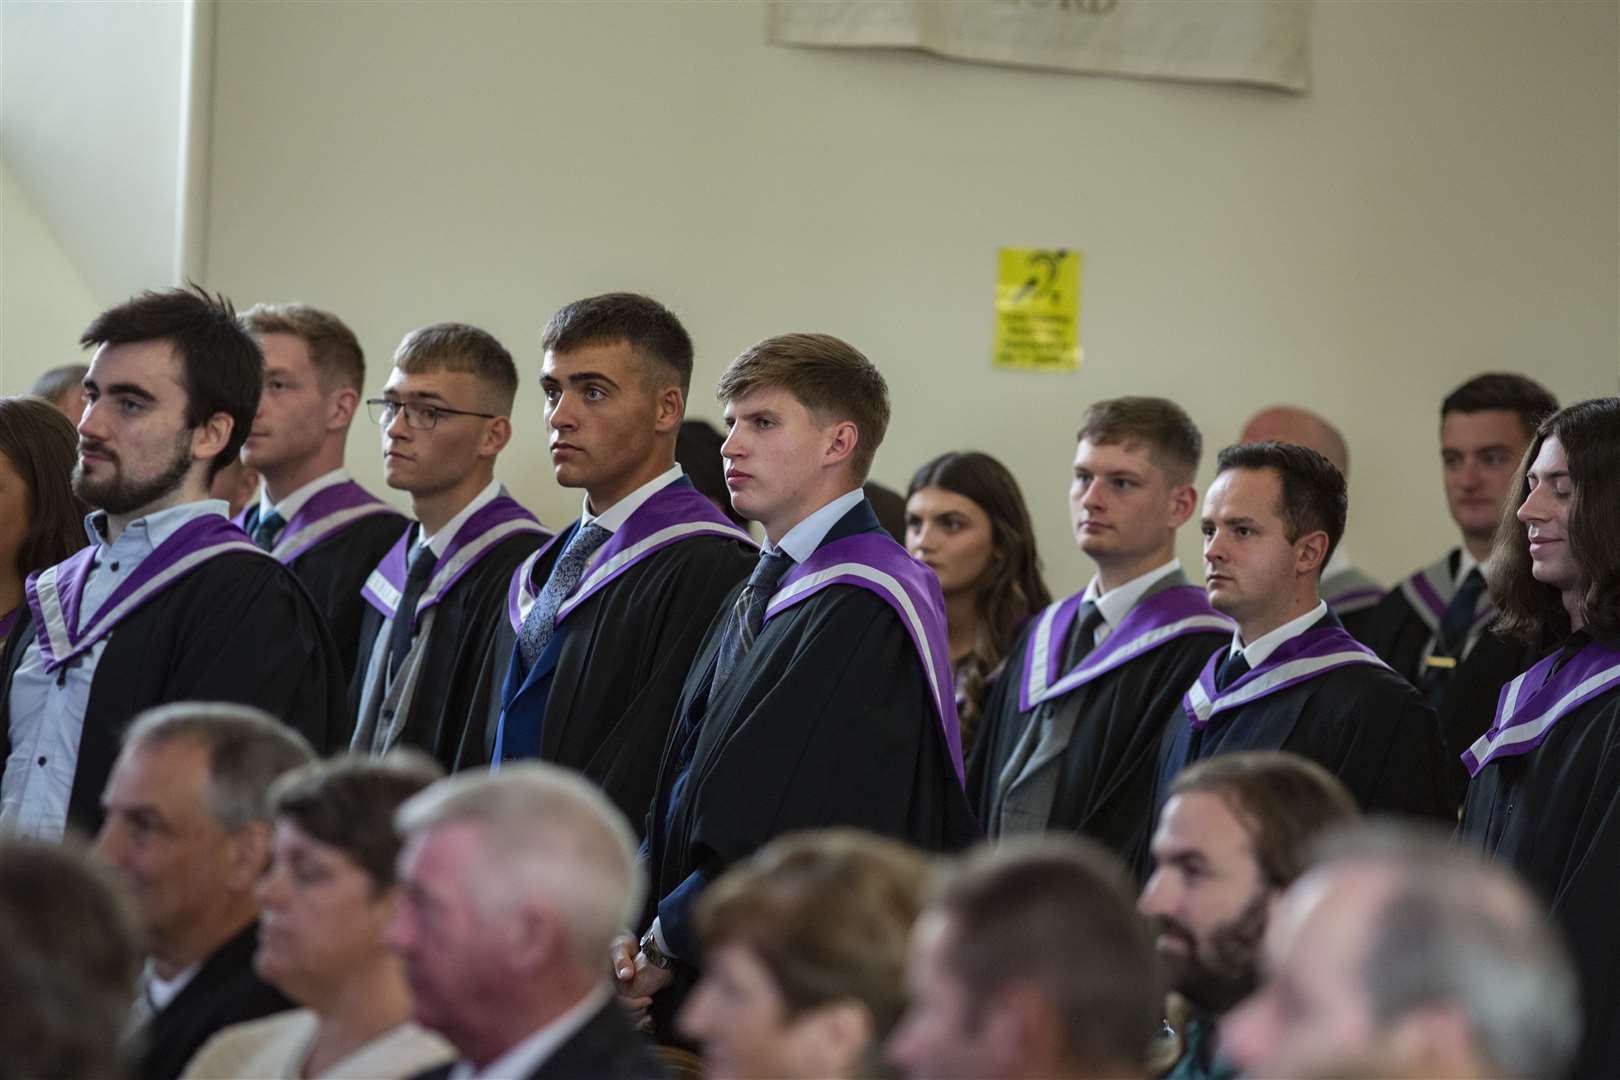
x=1291 y=424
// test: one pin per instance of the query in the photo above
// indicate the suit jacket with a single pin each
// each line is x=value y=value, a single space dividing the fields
x=606 y=1048
x=224 y=991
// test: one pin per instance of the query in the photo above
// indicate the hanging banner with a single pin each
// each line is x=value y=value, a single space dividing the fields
x=1264 y=42
x=1037 y=309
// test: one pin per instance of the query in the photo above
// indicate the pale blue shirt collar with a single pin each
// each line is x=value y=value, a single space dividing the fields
x=617 y=514
x=156 y=527
x=439 y=542
x=1117 y=603
x=528 y=1055
x=1263 y=646
x=802 y=540
x=295 y=502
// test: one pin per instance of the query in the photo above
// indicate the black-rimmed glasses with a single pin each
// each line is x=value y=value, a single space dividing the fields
x=418 y=415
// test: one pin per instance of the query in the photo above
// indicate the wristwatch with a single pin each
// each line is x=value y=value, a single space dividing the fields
x=655 y=956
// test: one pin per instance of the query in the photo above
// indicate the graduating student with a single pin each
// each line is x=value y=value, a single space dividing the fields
x=1349 y=592
x=170 y=601
x=1293 y=679
x=1434 y=627
x=822 y=693
x=1073 y=729
x=439 y=595
x=1545 y=793
x=309 y=513
x=606 y=618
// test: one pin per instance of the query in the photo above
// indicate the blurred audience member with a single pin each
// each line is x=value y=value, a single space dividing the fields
x=63 y=387
x=966 y=519
x=41 y=519
x=805 y=957
x=324 y=903
x=1401 y=956
x=68 y=962
x=187 y=828
x=513 y=887
x=697 y=451
x=237 y=484
x=1029 y=962
x=1231 y=838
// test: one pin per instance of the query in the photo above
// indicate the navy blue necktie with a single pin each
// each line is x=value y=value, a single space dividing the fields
x=416 y=579
x=748 y=614
x=267 y=529
x=1233 y=668
x=1451 y=640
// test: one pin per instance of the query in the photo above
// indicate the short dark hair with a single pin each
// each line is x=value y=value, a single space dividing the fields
x=650 y=329
x=1057 y=912
x=221 y=366
x=829 y=377
x=1589 y=432
x=1505 y=391
x=42 y=447
x=334 y=351
x=1314 y=498
x=462 y=348
x=1282 y=800
x=1172 y=440
x=55 y=383
x=349 y=802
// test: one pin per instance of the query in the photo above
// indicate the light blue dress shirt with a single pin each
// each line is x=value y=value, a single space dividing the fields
x=47 y=710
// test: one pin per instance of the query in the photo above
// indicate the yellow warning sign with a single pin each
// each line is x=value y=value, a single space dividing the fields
x=1038 y=309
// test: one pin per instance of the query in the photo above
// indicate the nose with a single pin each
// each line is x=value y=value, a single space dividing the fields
x=1532 y=511
x=108 y=845
x=560 y=414
x=920 y=539
x=1157 y=898
x=1092 y=496
x=733 y=447
x=272 y=887
x=396 y=428
x=1215 y=548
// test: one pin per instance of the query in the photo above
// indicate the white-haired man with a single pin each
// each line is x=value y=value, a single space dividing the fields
x=514 y=886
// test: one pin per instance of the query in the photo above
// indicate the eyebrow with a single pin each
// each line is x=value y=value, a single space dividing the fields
x=127 y=389
x=582 y=376
x=1230 y=521
x=418 y=395
x=1540 y=476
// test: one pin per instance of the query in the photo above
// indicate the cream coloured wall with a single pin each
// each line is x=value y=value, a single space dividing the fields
x=1444 y=201
x=44 y=303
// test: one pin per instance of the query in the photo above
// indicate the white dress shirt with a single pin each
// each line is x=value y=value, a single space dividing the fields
x=1117 y=602
x=295 y=502
x=617 y=514
x=527 y=1056
x=439 y=542
x=1263 y=646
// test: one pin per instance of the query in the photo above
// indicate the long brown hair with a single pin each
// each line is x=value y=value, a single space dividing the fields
x=1589 y=432
x=1012 y=590
x=42 y=446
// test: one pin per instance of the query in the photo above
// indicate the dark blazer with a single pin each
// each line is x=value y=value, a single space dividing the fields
x=224 y=991
x=606 y=1048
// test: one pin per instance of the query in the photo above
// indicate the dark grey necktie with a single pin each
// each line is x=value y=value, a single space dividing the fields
x=1452 y=638
x=416 y=579
x=748 y=613
x=1083 y=637
x=268 y=528
x=541 y=621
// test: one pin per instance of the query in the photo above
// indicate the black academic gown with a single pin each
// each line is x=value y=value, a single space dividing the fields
x=1362 y=722
x=238 y=628
x=607 y=1048
x=1398 y=635
x=224 y=991
x=1109 y=773
x=1553 y=814
x=828 y=720
x=455 y=695
x=602 y=694
x=335 y=569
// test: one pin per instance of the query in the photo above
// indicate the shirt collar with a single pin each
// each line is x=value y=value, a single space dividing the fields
x=802 y=540
x=617 y=514
x=295 y=502
x=162 y=991
x=1258 y=650
x=155 y=527
x=1117 y=602
x=1464 y=565
x=439 y=542
x=528 y=1055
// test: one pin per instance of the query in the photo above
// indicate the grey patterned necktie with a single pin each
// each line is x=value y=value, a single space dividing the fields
x=748 y=613
x=542 y=618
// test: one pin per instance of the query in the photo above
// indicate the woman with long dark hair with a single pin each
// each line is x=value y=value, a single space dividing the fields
x=41 y=520
x=1544 y=793
x=966 y=519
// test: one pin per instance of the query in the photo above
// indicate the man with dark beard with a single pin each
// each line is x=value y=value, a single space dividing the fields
x=170 y=601
x=1231 y=838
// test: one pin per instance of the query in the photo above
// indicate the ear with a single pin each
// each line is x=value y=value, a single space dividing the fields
x=671 y=410
x=1433 y=1040
x=247 y=856
x=842 y=438
x=1310 y=552
x=211 y=437
x=340 y=407
x=1183 y=503
x=831 y=1039
x=497 y=434
x=534 y=938
x=1031 y=1027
